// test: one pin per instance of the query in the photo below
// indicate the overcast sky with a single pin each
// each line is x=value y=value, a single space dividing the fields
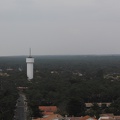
x=59 y=27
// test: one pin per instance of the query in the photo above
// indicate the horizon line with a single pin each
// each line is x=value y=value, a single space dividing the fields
x=64 y=55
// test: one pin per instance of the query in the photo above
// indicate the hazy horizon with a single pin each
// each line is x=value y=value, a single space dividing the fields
x=62 y=55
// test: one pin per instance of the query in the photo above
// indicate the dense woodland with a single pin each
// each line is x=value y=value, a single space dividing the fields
x=65 y=81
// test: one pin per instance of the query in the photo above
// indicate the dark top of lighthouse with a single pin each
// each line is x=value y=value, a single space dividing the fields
x=30 y=53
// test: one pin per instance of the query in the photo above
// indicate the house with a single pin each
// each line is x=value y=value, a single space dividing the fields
x=71 y=118
x=80 y=118
x=89 y=105
x=51 y=117
x=117 y=117
x=87 y=118
x=48 y=110
x=106 y=117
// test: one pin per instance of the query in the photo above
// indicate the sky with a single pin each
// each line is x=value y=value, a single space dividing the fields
x=59 y=27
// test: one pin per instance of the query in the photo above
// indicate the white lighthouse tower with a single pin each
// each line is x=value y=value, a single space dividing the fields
x=30 y=61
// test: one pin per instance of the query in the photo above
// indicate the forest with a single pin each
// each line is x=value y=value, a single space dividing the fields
x=67 y=82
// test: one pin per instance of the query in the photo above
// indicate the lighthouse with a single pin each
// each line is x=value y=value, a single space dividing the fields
x=30 y=62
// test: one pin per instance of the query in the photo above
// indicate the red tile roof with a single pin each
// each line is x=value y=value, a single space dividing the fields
x=50 y=117
x=48 y=110
x=87 y=117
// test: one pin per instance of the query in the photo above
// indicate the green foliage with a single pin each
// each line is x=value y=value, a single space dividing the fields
x=115 y=107
x=8 y=97
x=57 y=78
x=95 y=110
x=75 y=107
x=36 y=113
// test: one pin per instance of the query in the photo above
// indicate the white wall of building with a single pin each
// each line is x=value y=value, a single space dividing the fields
x=30 y=62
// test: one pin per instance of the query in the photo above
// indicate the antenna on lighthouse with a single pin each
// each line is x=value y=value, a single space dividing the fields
x=30 y=52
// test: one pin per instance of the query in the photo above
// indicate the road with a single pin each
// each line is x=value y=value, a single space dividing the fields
x=21 y=108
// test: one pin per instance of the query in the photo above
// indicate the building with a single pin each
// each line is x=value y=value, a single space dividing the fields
x=109 y=116
x=30 y=62
x=80 y=118
x=48 y=110
x=51 y=117
x=89 y=105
